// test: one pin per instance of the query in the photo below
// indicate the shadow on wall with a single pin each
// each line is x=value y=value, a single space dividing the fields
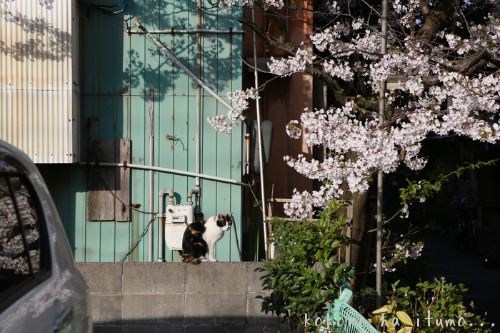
x=174 y=24
x=45 y=42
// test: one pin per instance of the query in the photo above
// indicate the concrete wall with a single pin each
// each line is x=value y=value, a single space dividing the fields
x=176 y=297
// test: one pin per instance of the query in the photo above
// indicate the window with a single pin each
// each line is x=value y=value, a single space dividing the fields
x=24 y=256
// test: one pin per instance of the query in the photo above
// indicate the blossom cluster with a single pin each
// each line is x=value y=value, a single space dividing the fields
x=288 y=66
x=229 y=4
x=239 y=99
x=402 y=251
x=434 y=96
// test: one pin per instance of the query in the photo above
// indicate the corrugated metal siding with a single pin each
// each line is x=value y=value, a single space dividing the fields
x=118 y=69
x=39 y=83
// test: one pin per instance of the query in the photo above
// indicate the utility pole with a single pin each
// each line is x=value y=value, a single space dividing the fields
x=259 y=141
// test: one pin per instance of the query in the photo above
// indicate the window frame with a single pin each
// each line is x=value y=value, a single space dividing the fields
x=31 y=281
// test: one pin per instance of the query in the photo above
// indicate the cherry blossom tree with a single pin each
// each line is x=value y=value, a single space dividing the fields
x=442 y=60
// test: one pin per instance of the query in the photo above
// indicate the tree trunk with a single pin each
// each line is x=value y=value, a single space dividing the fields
x=362 y=221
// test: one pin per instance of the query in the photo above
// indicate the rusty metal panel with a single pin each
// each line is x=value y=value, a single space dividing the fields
x=39 y=83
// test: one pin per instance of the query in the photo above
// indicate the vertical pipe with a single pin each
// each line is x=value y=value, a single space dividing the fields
x=198 y=99
x=151 y=172
x=380 y=178
x=259 y=135
x=247 y=154
x=161 y=226
x=161 y=220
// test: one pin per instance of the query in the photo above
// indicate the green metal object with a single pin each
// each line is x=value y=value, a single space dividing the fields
x=344 y=317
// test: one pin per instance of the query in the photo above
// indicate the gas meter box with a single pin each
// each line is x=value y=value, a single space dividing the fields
x=177 y=218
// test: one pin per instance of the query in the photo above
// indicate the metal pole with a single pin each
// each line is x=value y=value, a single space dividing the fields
x=167 y=170
x=380 y=178
x=151 y=173
x=198 y=102
x=259 y=134
x=183 y=31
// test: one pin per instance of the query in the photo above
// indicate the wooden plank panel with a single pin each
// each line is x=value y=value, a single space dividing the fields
x=100 y=182
x=108 y=189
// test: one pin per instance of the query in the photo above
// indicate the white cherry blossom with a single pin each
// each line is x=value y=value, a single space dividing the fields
x=435 y=95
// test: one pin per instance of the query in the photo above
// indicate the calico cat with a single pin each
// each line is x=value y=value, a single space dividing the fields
x=200 y=238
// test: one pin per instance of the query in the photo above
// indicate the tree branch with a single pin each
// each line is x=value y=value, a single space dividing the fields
x=434 y=17
x=271 y=40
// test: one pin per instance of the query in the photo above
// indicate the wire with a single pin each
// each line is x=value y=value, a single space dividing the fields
x=112 y=192
x=144 y=232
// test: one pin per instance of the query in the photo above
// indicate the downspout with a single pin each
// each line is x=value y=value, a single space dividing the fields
x=161 y=219
x=198 y=102
x=151 y=172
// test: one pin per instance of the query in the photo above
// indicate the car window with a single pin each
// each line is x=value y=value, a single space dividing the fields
x=23 y=252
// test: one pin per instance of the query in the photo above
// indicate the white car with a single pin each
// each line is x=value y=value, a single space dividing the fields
x=41 y=289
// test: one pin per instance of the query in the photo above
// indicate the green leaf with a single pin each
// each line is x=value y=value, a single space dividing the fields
x=404 y=318
x=385 y=309
x=405 y=329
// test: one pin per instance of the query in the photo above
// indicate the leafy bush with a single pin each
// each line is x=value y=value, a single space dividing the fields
x=306 y=273
x=432 y=306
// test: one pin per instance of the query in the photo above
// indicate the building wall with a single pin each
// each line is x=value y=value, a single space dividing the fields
x=39 y=81
x=119 y=69
x=282 y=100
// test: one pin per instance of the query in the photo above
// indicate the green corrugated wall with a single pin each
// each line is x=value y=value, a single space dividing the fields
x=118 y=70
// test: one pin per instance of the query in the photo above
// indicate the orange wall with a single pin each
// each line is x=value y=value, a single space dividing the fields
x=282 y=100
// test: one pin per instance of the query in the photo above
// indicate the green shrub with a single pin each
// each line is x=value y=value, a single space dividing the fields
x=306 y=274
x=433 y=306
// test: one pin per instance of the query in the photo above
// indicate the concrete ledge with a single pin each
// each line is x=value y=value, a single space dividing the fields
x=176 y=297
